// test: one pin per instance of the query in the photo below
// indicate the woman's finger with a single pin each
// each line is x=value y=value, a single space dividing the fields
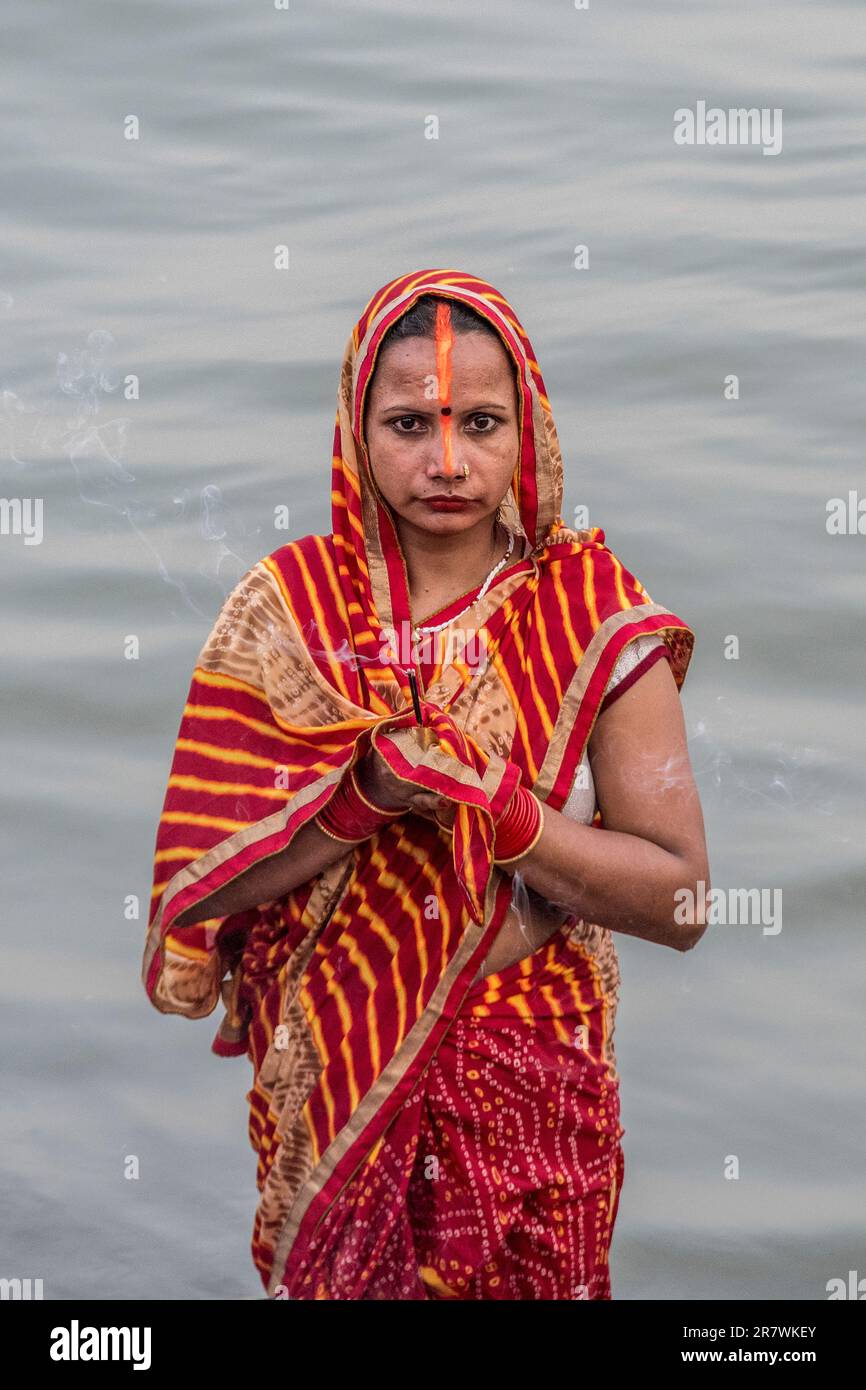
x=433 y=807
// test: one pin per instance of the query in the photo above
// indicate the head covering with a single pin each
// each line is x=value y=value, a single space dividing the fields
x=361 y=521
x=341 y=990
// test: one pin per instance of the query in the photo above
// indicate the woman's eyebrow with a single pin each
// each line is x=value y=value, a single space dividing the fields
x=431 y=408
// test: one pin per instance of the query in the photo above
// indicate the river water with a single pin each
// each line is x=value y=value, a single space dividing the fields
x=155 y=257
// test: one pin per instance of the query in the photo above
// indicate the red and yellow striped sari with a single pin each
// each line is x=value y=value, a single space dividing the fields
x=420 y=1134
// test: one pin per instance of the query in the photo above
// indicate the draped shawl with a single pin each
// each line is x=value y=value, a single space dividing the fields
x=296 y=679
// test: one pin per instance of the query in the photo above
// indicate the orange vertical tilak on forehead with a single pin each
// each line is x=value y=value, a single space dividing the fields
x=444 y=344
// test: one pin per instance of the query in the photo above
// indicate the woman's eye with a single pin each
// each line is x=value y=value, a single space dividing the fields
x=480 y=424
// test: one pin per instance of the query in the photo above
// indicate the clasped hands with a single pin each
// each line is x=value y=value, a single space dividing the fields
x=517 y=828
x=390 y=792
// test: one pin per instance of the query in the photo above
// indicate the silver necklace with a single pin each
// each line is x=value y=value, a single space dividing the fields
x=438 y=627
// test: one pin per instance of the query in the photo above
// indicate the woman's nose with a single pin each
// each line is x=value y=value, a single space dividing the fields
x=446 y=452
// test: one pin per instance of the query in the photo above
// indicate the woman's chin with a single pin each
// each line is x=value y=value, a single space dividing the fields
x=445 y=522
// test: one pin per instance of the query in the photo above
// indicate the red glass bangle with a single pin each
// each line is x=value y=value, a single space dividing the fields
x=350 y=815
x=519 y=827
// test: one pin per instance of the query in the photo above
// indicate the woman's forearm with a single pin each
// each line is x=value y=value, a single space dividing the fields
x=310 y=852
x=617 y=880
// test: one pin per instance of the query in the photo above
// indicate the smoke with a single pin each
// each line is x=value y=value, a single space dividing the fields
x=80 y=421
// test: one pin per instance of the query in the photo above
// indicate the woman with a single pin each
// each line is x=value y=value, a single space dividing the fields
x=428 y=765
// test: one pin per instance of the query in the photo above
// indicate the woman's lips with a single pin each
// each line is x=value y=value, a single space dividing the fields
x=448 y=504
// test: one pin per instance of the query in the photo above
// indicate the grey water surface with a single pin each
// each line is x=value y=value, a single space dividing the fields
x=154 y=259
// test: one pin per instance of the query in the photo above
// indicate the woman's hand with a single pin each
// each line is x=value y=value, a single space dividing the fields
x=436 y=808
x=380 y=784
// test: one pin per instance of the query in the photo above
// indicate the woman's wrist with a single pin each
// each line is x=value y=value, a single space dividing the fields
x=519 y=828
x=350 y=815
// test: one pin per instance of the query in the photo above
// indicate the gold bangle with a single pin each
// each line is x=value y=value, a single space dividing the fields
x=536 y=837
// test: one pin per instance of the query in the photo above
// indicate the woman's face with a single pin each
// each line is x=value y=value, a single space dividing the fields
x=417 y=452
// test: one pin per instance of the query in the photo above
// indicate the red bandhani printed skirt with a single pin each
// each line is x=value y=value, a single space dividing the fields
x=500 y=1176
